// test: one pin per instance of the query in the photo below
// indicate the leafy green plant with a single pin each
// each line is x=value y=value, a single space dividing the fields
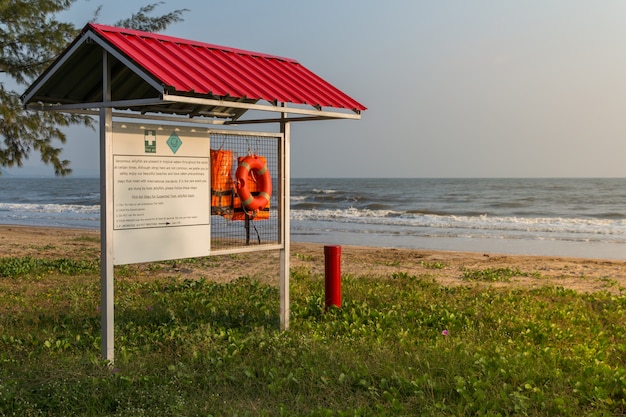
x=124 y=271
x=304 y=257
x=86 y=238
x=19 y=266
x=433 y=265
x=495 y=274
x=12 y=267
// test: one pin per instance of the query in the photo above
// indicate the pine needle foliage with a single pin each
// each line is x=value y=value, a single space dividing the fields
x=31 y=37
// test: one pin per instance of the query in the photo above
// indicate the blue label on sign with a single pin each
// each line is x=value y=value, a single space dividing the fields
x=174 y=142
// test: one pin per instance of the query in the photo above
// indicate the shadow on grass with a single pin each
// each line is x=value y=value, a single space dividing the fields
x=243 y=304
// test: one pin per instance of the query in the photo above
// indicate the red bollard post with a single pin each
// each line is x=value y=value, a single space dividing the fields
x=332 y=259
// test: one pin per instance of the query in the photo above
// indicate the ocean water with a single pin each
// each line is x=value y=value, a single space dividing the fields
x=55 y=202
x=565 y=217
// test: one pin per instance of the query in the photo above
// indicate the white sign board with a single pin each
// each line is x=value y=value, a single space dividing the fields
x=161 y=192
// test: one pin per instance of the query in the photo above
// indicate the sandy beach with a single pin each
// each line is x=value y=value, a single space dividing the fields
x=446 y=267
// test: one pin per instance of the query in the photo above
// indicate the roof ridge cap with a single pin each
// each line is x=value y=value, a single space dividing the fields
x=103 y=29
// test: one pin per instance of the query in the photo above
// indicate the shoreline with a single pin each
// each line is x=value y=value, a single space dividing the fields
x=444 y=266
x=510 y=247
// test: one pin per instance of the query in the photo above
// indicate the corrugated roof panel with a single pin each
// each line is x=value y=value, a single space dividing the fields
x=166 y=56
x=327 y=97
x=224 y=72
x=267 y=84
x=238 y=67
x=214 y=79
x=257 y=84
x=148 y=54
x=307 y=94
x=206 y=75
x=284 y=80
x=240 y=84
x=315 y=87
x=285 y=84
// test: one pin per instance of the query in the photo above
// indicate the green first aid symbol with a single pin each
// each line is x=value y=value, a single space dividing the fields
x=174 y=142
x=149 y=141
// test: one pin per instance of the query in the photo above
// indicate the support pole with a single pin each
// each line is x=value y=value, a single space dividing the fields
x=106 y=216
x=332 y=267
x=247 y=227
x=285 y=161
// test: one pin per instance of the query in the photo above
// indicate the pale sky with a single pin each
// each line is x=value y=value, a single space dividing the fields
x=453 y=88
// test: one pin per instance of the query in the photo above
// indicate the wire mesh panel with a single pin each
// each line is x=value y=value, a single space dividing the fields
x=244 y=189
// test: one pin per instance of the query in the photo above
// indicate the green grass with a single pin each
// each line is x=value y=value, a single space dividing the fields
x=198 y=348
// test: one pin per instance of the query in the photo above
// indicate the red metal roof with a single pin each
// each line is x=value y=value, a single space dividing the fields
x=199 y=68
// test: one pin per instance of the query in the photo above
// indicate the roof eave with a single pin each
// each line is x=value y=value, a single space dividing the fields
x=225 y=106
x=88 y=36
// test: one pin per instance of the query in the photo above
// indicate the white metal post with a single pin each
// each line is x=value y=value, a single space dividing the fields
x=106 y=214
x=286 y=227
